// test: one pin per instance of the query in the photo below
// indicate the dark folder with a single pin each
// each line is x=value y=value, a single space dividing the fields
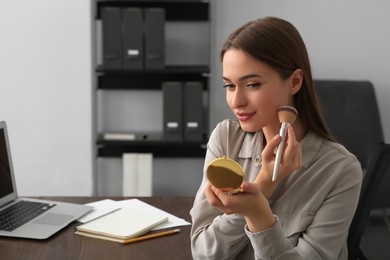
x=193 y=112
x=133 y=39
x=112 y=38
x=154 y=38
x=172 y=111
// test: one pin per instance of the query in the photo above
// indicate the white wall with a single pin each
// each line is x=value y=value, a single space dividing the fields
x=45 y=94
x=45 y=74
x=346 y=39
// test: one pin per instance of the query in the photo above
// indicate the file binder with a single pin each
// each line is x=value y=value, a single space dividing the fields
x=130 y=175
x=193 y=114
x=137 y=174
x=133 y=39
x=112 y=37
x=172 y=111
x=154 y=38
x=145 y=174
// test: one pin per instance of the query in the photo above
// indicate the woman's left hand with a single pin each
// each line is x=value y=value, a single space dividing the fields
x=250 y=203
x=239 y=203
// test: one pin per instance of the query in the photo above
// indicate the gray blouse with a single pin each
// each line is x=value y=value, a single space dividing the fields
x=313 y=206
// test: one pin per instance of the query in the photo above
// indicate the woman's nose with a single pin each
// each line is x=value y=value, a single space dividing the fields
x=238 y=98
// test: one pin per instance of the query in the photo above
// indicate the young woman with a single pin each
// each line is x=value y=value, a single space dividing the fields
x=306 y=212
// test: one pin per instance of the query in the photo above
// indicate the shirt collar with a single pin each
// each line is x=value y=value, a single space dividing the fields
x=310 y=145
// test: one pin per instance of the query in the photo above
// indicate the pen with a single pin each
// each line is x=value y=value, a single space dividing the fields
x=165 y=233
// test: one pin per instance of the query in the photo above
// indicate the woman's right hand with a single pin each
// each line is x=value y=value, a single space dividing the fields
x=290 y=162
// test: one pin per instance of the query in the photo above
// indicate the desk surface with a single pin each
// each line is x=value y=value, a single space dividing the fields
x=66 y=245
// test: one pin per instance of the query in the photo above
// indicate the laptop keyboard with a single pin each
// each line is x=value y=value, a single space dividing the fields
x=20 y=213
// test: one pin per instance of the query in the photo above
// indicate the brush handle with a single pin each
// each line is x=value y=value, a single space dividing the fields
x=279 y=151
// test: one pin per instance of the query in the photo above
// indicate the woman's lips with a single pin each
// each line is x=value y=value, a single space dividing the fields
x=244 y=116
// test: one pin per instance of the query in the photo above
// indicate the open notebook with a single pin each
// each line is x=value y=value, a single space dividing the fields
x=121 y=225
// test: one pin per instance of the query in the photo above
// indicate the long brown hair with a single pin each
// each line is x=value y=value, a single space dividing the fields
x=278 y=43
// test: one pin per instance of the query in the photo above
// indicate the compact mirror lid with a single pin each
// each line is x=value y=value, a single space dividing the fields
x=225 y=174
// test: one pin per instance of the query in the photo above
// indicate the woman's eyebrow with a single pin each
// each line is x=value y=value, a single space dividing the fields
x=249 y=76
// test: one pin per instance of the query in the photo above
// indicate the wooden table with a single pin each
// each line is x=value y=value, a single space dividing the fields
x=66 y=245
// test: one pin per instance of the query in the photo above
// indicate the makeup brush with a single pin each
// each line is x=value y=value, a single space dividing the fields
x=287 y=116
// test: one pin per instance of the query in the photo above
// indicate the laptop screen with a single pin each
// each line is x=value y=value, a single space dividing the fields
x=6 y=186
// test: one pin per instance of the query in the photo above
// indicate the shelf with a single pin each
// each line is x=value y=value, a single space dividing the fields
x=158 y=148
x=184 y=69
x=121 y=79
x=176 y=10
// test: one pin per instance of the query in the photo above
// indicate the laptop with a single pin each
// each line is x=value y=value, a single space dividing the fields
x=25 y=217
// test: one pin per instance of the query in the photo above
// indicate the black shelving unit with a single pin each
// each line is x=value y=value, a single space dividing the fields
x=120 y=79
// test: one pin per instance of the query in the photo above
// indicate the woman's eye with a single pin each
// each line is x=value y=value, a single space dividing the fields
x=228 y=86
x=253 y=85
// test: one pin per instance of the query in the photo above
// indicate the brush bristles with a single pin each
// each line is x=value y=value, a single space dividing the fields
x=287 y=114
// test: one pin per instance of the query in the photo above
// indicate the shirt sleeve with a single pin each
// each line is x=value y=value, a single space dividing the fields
x=215 y=235
x=273 y=244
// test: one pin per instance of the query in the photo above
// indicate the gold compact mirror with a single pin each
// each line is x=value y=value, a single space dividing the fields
x=225 y=174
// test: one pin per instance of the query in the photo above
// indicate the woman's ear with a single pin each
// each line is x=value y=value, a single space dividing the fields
x=296 y=79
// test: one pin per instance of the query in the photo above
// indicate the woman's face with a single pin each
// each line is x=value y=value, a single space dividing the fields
x=254 y=91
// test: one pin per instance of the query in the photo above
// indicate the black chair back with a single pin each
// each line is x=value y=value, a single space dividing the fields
x=351 y=112
x=377 y=170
